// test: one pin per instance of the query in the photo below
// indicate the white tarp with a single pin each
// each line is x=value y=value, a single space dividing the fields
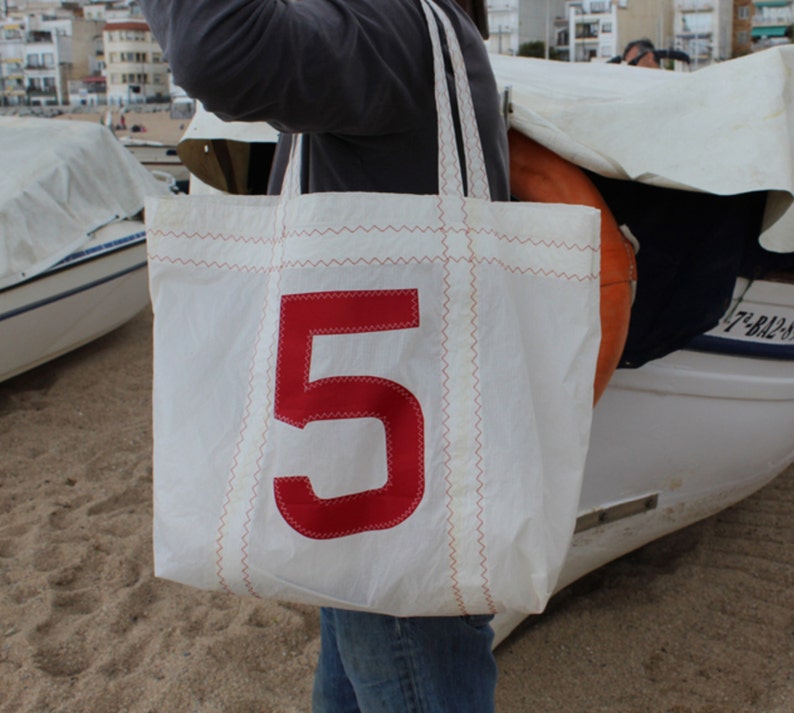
x=60 y=181
x=205 y=126
x=724 y=129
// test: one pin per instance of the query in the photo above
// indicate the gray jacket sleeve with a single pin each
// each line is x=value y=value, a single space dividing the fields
x=345 y=66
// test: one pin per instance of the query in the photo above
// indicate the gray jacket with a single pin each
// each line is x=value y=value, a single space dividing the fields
x=355 y=76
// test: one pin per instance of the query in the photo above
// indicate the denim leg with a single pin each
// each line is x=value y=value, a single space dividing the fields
x=333 y=692
x=405 y=665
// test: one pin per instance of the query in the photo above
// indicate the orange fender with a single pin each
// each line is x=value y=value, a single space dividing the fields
x=538 y=174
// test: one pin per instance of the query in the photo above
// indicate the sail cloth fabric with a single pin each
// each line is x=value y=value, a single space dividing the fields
x=61 y=180
x=373 y=401
x=725 y=129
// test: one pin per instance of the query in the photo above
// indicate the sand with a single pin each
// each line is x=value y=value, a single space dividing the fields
x=699 y=622
x=702 y=621
x=154 y=122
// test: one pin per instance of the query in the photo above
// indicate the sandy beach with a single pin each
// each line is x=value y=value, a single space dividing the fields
x=153 y=122
x=700 y=622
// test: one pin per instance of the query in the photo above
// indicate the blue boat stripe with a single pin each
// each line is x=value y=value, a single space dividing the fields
x=135 y=237
x=69 y=293
x=737 y=347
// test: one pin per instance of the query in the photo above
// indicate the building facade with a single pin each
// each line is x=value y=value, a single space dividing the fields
x=12 y=64
x=704 y=30
x=33 y=57
x=135 y=70
x=503 y=20
x=742 y=31
x=44 y=77
x=592 y=31
x=771 y=20
x=536 y=20
x=597 y=30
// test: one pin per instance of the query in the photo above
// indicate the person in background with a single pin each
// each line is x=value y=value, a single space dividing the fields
x=355 y=78
x=641 y=53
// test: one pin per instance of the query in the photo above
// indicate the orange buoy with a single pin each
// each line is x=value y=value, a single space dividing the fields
x=538 y=174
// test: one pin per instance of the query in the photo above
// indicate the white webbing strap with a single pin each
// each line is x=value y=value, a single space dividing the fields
x=476 y=176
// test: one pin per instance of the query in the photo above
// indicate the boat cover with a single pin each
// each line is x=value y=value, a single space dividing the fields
x=726 y=129
x=61 y=180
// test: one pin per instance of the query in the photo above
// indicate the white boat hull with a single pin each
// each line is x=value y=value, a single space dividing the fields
x=685 y=436
x=92 y=292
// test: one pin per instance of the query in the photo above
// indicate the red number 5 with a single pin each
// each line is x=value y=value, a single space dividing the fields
x=300 y=401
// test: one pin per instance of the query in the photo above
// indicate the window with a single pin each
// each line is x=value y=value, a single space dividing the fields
x=743 y=13
x=698 y=23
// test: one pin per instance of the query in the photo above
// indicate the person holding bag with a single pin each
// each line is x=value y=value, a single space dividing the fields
x=416 y=297
x=355 y=77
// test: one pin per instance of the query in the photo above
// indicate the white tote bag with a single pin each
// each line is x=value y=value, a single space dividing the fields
x=371 y=401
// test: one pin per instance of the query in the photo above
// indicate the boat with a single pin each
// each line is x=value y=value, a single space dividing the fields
x=704 y=425
x=84 y=296
x=686 y=436
x=160 y=158
x=696 y=430
x=73 y=257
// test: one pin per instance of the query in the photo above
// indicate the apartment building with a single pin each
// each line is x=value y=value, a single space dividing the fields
x=44 y=77
x=536 y=20
x=704 y=30
x=45 y=51
x=12 y=63
x=771 y=19
x=95 y=11
x=503 y=24
x=35 y=51
x=742 y=31
x=597 y=30
x=592 y=31
x=135 y=70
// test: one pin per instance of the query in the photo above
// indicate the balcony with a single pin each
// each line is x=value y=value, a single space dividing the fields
x=767 y=20
x=39 y=37
x=42 y=93
x=694 y=5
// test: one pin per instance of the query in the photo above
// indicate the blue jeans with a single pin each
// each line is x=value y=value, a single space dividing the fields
x=370 y=663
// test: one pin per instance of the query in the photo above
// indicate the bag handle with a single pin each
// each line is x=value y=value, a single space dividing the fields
x=449 y=169
x=449 y=178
